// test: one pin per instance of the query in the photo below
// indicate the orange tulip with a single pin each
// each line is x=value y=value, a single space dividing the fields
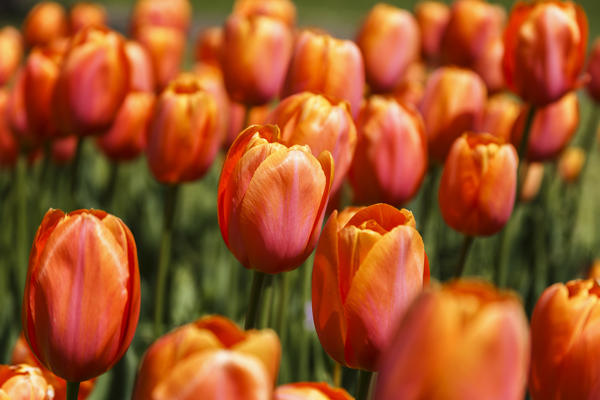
x=208 y=46
x=211 y=80
x=389 y=40
x=174 y=14
x=211 y=356
x=452 y=104
x=11 y=48
x=46 y=22
x=140 y=63
x=571 y=163
x=165 y=47
x=432 y=17
x=9 y=148
x=92 y=83
x=310 y=391
x=85 y=15
x=272 y=200
x=82 y=295
x=499 y=116
x=544 y=44
x=320 y=123
x=369 y=265
x=593 y=69
x=23 y=382
x=283 y=10
x=465 y=340
x=329 y=66
x=532 y=181
x=391 y=155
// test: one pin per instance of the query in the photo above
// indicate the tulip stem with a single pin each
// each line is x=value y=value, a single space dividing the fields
x=164 y=256
x=364 y=384
x=522 y=150
x=75 y=167
x=464 y=253
x=284 y=283
x=109 y=194
x=337 y=374
x=72 y=390
x=258 y=279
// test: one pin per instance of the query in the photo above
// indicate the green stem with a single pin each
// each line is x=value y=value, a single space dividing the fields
x=304 y=340
x=21 y=228
x=464 y=253
x=364 y=383
x=258 y=279
x=75 y=169
x=164 y=256
x=265 y=318
x=337 y=374
x=427 y=196
x=72 y=390
x=282 y=306
x=109 y=194
x=522 y=150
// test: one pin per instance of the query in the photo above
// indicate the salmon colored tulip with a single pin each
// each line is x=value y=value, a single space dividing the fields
x=82 y=295
x=571 y=163
x=11 y=48
x=46 y=22
x=532 y=181
x=247 y=39
x=499 y=116
x=183 y=137
x=391 y=154
x=452 y=104
x=211 y=356
x=93 y=81
x=432 y=17
x=369 y=265
x=593 y=70
x=329 y=66
x=544 y=49
x=477 y=189
x=166 y=47
x=174 y=14
x=283 y=10
x=208 y=46
x=389 y=40
x=465 y=340
x=24 y=382
x=84 y=15
x=272 y=199
x=63 y=150
x=9 y=148
x=310 y=391
x=322 y=124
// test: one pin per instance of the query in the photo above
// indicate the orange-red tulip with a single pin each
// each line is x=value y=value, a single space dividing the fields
x=593 y=69
x=9 y=148
x=499 y=116
x=477 y=190
x=329 y=66
x=571 y=163
x=283 y=10
x=532 y=181
x=544 y=49
x=82 y=295
x=46 y=22
x=452 y=104
x=369 y=265
x=174 y=14
x=566 y=342
x=391 y=155
x=165 y=47
x=432 y=17
x=211 y=357
x=310 y=391
x=83 y=15
x=23 y=382
x=389 y=40
x=272 y=200
x=208 y=46
x=465 y=340
x=11 y=48
x=320 y=123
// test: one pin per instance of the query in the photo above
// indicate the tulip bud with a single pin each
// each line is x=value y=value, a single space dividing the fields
x=477 y=189
x=23 y=382
x=465 y=340
x=46 y=22
x=499 y=116
x=82 y=295
x=593 y=70
x=389 y=40
x=544 y=49
x=322 y=124
x=165 y=47
x=208 y=46
x=310 y=391
x=283 y=10
x=11 y=48
x=63 y=149
x=391 y=154
x=432 y=17
x=452 y=104
x=532 y=181
x=211 y=356
x=85 y=15
x=369 y=265
x=174 y=14
x=9 y=148
x=329 y=66
x=570 y=164
x=272 y=200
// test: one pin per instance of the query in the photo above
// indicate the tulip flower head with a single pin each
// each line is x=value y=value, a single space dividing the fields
x=500 y=115
x=283 y=10
x=45 y=22
x=11 y=48
x=173 y=14
x=83 y=15
x=432 y=17
x=310 y=391
x=23 y=382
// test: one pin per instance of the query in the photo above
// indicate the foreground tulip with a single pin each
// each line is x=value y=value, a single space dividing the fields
x=208 y=46
x=11 y=48
x=477 y=189
x=46 y=22
x=544 y=49
x=310 y=391
x=211 y=356
x=283 y=10
x=571 y=163
x=174 y=14
x=369 y=265
x=465 y=340
x=82 y=295
x=9 y=148
x=84 y=15
x=593 y=70
x=24 y=382
x=499 y=116
x=433 y=17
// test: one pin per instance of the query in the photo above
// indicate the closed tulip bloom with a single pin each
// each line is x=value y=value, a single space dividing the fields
x=389 y=40
x=208 y=46
x=453 y=103
x=211 y=356
x=11 y=48
x=283 y=10
x=391 y=155
x=82 y=295
x=499 y=116
x=544 y=49
x=272 y=200
x=9 y=148
x=369 y=265
x=465 y=340
x=320 y=123
x=477 y=190
x=174 y=14
x=310 y=391
x=593 y=70
x=532 y=181
x=84 y=15
x=570 y=164
x=432 y=17
x=329 y=66
x=46 y=22
x=24 y=382
x=165 y=47
x=211 y=80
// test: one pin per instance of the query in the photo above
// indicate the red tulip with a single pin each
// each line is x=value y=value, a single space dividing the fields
x=532 y=177
x=11 y=48
x=85 y=15
x=23 y=382
x=46 y=22
x=257 y=115
x=433 y=17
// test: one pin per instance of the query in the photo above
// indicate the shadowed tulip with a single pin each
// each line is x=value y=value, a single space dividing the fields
x=310 y=391
x=46 y=22
x=16 y=114
x=165 y=46
x=432 y=17
x=11 y=48
x=570 y=164
x=63 y=150
x=593 y=69
x=593 y=271
x=389 y=40
x=391 y=154
x=272 y=199
x=84 y=15
x=544 y=49
x=9 y=148
x=477 y=189
x=283 y=10
x=24 y=382
x=82 y=295
x=499 y=116
x=174 y=14
x=411 y=89
x=532 y=182
x=369 y=265
x=211 y=356
x=208 y=46
x=465 y=340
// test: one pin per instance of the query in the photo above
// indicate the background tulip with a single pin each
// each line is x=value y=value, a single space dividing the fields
x=532 y=181
x=11 y=48
x=239 y=114
x=283 y=10
x=174 y=14
x=83 y=15
x=23 y=382
x=593 y=69
x=45 y=22
x=570 y=164
x=63 y=150
x=369 y=265
x=210 y=78
x=165 y=47
x=16 y=114
x=499 y=116
x=208 y=46
x=432 y=17
x=140 y=63
x=310 y=391
x=9 y=148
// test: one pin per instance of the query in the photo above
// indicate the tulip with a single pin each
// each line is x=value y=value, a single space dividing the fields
x=489 y=65
x=369 y=265
x=465 y=340
x=452 y=104
x=322 y=124
x=23 y=382
x=211 y=80
x=499 y=116
x=389 y=40
x=391 y=155
x=208 y=46
x=174 y=14
x=85 y=15
x=11 y=48
x=9 y=148
x=165 y=47
x=310 y=391
x=477 y=189
x=544 y=49
x=82 y=295
x=593 y=70
x=571 y=163
x=247 y=39
x=16 y=114
x=183 y=139
x=533 y=175
x=411 y=89
x=211 y=356
x=63 y=150
x=46 y=22
x=329 y=66
x=140 y=63
x=432 y=17
x=282 y=10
